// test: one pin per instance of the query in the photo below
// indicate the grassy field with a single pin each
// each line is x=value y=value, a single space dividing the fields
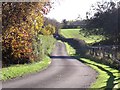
x=74 y=33
x=107 y=78
x=21 y=70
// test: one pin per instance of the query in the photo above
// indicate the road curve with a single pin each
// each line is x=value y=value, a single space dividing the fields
x=64 y=72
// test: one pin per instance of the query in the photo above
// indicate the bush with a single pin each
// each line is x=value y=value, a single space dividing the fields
x=43 y=46
x=48 y=30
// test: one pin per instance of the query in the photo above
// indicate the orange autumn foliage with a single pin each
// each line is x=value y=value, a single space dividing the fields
x=21 y=23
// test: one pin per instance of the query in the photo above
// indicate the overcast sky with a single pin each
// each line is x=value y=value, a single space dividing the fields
x=70 y=9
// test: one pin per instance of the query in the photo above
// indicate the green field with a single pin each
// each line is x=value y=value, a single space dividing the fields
x=75 y=33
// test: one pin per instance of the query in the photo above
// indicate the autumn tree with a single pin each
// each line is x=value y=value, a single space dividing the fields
x=48 y=30
x=21 y=22
x=54 y=23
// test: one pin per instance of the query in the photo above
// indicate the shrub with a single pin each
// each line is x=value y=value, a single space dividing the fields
x=48 y=30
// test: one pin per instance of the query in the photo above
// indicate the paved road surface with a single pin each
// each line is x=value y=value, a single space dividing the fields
x=64 y=72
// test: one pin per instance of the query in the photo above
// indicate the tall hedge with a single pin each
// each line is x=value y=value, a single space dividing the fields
x=21 y=24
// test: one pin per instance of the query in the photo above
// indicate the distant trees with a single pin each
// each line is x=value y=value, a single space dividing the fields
x=64 y=23
x=71 y=24
x=53 y=22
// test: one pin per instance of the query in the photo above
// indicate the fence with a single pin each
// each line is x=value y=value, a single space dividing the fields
x=105 y=53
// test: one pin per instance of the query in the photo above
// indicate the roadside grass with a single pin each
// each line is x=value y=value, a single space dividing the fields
x=21 y=70
x=107 y=78
x=104 y=77
x=42 y=50
x=75 y=33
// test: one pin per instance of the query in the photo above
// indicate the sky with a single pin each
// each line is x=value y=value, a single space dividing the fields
x=70 y=9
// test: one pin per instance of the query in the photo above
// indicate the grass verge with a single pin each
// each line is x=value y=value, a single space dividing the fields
x=20 y=70
x=107 y=78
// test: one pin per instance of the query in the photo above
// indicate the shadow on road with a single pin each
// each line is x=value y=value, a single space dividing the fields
x=80 y=48
x=62 y=57
x=110 y=82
